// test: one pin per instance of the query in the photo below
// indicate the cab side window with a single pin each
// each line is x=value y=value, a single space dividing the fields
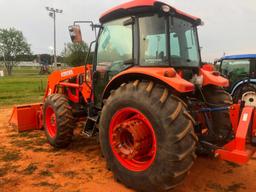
x=114 y=49
x=153 y=41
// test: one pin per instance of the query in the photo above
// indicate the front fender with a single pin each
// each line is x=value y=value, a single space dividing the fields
x=166 y=75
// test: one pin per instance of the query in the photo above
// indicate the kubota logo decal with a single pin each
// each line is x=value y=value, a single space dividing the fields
x=66 y=73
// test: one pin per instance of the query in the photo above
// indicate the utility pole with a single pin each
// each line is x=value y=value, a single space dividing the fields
x=52 y=14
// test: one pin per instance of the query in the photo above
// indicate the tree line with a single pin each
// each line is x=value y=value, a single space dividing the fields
x=14 y=48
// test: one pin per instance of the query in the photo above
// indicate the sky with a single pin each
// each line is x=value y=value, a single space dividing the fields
x=229 y=25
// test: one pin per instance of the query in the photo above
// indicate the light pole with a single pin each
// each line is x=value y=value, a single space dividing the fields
x=52 y=14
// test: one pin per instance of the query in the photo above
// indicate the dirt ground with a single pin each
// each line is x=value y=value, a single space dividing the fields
x=29 y=163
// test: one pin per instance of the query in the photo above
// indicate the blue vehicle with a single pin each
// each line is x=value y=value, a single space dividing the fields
x=241 y=72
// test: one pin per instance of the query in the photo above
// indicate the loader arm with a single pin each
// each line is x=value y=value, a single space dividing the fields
x=61 y=79
x=29 y=117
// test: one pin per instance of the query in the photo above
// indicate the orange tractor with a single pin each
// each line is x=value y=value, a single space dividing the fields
x=147 y=97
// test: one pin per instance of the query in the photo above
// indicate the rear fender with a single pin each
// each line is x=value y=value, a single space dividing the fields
x=167 y=76
x=213 y=78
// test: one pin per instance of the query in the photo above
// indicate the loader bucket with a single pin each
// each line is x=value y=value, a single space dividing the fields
x=27 y=117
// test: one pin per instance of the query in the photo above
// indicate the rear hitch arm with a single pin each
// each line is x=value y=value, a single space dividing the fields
x=235 y=150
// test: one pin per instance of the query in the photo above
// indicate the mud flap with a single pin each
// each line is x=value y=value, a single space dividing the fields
x=27 y=117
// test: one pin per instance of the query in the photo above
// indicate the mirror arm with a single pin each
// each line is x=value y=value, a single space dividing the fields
x=89 y=51
x=87 y=57
x=93 y=26
x=76 y=22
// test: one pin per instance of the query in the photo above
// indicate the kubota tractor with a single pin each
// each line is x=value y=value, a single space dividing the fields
x=148 y=98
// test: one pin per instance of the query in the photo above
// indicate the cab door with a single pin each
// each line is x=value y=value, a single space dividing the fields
x=115 y=48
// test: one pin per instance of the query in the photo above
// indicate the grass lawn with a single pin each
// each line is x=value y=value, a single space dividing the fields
x=24 y=86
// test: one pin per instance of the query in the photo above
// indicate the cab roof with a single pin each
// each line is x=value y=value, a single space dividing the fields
x=241 y=56
x=137 y=6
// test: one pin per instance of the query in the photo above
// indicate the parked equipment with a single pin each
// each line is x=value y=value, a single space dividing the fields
x=241 y=72
x=27 y=117
x=45 y=61
x=148 y=98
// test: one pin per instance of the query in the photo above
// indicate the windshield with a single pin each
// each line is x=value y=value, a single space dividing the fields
x=184 y=50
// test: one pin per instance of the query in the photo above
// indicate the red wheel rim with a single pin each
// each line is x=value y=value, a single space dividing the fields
x=50 y=119
x=132 y=139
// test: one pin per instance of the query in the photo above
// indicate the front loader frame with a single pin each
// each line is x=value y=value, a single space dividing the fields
x=29 y=117
x=58 y=82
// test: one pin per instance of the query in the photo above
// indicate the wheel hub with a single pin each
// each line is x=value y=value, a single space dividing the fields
x=50 y=119
x=132 y=139
x=53 y=119
x=249 y=98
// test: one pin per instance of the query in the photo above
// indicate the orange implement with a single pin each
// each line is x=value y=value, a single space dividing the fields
x=27 y=117
x=236 y=151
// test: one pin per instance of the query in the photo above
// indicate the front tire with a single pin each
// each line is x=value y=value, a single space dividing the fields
x=58 y=120
x=147 y=137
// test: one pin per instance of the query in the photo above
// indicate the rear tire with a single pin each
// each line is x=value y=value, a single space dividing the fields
x=172 y=129
x=221 y=123
x=58 y=120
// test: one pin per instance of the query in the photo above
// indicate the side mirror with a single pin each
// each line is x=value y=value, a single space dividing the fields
x=75 y=33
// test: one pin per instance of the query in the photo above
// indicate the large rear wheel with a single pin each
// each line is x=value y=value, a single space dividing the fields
x=221 y=124
x=147 y=136
x=58 y=120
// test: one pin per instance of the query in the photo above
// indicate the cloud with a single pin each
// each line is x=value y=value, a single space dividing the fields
x=229 y=25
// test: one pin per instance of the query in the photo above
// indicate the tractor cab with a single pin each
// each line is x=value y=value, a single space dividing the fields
x=147 y=33
x=151 y=35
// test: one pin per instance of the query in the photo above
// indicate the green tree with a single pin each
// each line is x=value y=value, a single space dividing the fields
x=12 y=46
x=75 y=54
